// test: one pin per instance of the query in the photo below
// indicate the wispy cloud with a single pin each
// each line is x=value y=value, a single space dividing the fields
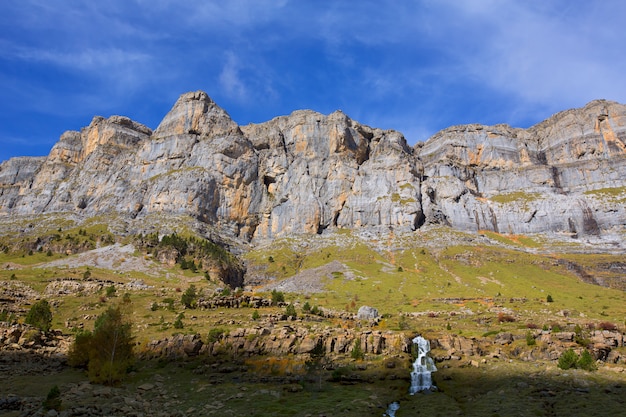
x=230 y=79
x=538 y=52
x=417 y=66
x=102 y=60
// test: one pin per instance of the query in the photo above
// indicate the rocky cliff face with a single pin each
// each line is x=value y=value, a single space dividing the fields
x=307 y=172
x=566 y=174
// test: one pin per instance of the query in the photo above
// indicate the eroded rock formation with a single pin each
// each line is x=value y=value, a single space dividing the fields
x=307 y=172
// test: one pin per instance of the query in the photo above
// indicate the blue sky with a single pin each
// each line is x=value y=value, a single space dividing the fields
x=415 y=66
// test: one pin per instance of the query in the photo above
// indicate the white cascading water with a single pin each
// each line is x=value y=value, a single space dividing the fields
x=422 y=367
x=391 y=410
x=421 y=379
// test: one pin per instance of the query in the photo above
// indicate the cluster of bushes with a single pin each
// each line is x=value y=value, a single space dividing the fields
x=190 y=250
x=306 y=308
x=107 y=351
x=277 y=297
x=570 y=359
x=59 y=243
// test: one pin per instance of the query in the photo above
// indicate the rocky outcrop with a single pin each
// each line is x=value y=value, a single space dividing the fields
x=553 y=177
x=35 y=351
x=15 y=176
x=307 y=172
x=329 y=171
x=278 y=340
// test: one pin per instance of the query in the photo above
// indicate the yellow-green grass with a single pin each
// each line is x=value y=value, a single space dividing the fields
x=30 y=260
x=514 y=240
x=395 y=276
x=612 y=194
x=517 y=196
x=72 y=238
x=599 y=266
x=417 y=280
x=532 y=277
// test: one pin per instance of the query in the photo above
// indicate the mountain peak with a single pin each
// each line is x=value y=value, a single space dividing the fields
x=195 y=113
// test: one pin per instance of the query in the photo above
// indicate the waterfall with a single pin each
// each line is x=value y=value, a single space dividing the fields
x=391 y=410
x=422 y=367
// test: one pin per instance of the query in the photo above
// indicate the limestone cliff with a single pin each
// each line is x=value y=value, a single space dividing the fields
x=566 y=174
x=307 y=172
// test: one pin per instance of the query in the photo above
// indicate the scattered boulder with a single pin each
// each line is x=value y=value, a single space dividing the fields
x=367 y=313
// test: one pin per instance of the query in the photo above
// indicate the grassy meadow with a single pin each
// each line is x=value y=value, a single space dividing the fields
x=433 y=282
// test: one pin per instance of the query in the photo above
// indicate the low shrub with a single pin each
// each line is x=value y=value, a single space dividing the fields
x=505 y=318
x=189 y=297
x=586 y=361
x=568 y=359
x=178 y=324
x=277 y=297
x=290 y=311
x=40 y=315
x=357 y=351
x=215 y=334
x=169 y=302
x=607 y=325
x=580 y=338
x=53 y=400
x=340 y=373
x=110 y=291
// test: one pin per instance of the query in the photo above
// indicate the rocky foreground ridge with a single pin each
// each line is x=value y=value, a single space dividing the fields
x=307 y=172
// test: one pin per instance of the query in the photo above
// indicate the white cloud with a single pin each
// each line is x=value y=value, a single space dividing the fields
x=100 y=60
x=230 y=79
x=561 y=52
x=388 y=61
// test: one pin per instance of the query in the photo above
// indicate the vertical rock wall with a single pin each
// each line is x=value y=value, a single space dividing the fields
x=307 y=172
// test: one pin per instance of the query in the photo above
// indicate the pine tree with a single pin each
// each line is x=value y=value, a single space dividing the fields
x=188 y=299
